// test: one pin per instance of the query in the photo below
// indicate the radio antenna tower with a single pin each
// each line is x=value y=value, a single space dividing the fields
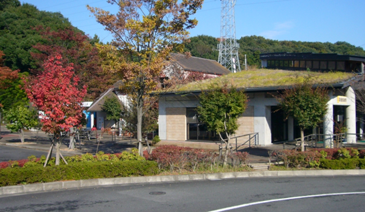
x=228 y=47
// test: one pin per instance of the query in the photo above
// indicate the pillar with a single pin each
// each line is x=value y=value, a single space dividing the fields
x=351 y=116
x=262 y=120
x=328 y=126
x=91 y=120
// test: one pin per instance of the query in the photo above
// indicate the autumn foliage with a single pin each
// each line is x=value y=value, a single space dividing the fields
x=74 y=47
x=55 y=91
x=180 y=159
x=6 y=74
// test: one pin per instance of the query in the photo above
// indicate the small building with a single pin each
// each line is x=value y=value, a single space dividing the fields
x=97 y=115
x=179 y=65
x=182 y=66
x=179 y=121
x=313 y=62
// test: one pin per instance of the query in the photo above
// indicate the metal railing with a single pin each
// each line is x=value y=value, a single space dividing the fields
x=313 y=140
x=251 y=137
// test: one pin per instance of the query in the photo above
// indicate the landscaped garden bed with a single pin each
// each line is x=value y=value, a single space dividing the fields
x=163 y=160
x=337 y=158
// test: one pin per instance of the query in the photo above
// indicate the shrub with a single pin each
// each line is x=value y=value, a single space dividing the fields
x=362 y=153
x=99 y=157
x=347 y=163
x=77 y=171
x=293 y=158
x=155 y=140
x=186 y=158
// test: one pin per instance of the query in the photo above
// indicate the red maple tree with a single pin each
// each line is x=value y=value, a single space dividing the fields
x=56 y=92
x=75 y=48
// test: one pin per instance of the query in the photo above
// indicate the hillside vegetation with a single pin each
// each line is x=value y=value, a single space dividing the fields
x=206 y=47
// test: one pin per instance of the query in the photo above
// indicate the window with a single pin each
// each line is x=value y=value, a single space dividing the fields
x=315 y=64
x=296 y=63
x=302 y=64
x=331 y=65
x=308 y=64
x=270 y=63
x=281 y=64
x=341 y=65
x=323 y=65
x=286 y=63
x=191 y=115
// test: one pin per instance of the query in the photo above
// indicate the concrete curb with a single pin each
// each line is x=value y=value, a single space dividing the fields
x=54 y=186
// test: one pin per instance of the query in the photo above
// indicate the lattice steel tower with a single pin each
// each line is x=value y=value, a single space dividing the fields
x=228 y=47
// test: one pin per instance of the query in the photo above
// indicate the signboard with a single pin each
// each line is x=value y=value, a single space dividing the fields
x=341 y=99
x=86 y=104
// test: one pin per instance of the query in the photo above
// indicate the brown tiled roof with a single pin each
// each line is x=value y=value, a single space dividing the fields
x=99 y=102
x=199 y=64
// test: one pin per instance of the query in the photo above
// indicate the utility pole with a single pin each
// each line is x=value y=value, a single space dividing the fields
x=228 y=46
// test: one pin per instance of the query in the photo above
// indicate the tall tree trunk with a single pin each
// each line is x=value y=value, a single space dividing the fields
x=58 y=144
x=72 y=139
x=302 y=139
x=139 y=128
x=139 y=120
x=22 y=135
x=226 y=154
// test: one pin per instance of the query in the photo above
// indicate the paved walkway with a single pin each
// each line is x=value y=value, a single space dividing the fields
x=38 y=140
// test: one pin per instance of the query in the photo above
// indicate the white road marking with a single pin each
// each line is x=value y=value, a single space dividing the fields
x=286 y=199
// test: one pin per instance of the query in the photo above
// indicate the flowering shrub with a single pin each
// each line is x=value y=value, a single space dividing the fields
x=186 y=158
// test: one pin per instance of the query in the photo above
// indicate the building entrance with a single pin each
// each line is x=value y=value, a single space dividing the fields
x=279 y=125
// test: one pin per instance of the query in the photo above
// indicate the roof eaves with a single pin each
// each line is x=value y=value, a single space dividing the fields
x=98 y=99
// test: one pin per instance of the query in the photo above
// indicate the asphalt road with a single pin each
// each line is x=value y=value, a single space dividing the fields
x=16 y=153
x=245 y=194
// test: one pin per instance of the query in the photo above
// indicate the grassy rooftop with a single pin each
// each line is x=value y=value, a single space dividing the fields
x=269 y=78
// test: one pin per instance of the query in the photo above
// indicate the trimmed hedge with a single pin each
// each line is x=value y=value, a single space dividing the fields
x=348 y=163
x=77 y=171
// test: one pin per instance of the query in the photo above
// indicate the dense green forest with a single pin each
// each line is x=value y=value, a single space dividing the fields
x=206 y=47
x=18 y=33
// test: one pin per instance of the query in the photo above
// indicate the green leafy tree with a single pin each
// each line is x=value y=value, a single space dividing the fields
x=220 y=108
x=149 y=119
x=20 y=118
x=8 y=3
x=306 y=104
x=18 y=34
x=113 y=108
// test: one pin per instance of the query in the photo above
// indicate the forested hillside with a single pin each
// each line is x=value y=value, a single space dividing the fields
x=28 y=36
x=18 y=33
x=206 y=47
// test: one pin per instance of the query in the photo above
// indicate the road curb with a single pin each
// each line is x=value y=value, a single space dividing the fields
x=64 y=185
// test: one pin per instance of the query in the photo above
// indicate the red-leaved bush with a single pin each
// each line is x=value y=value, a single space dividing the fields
x=311 y=158
x=186 y=158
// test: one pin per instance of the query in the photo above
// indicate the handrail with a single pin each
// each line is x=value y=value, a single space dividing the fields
x=254 y=135
x=312 y=139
